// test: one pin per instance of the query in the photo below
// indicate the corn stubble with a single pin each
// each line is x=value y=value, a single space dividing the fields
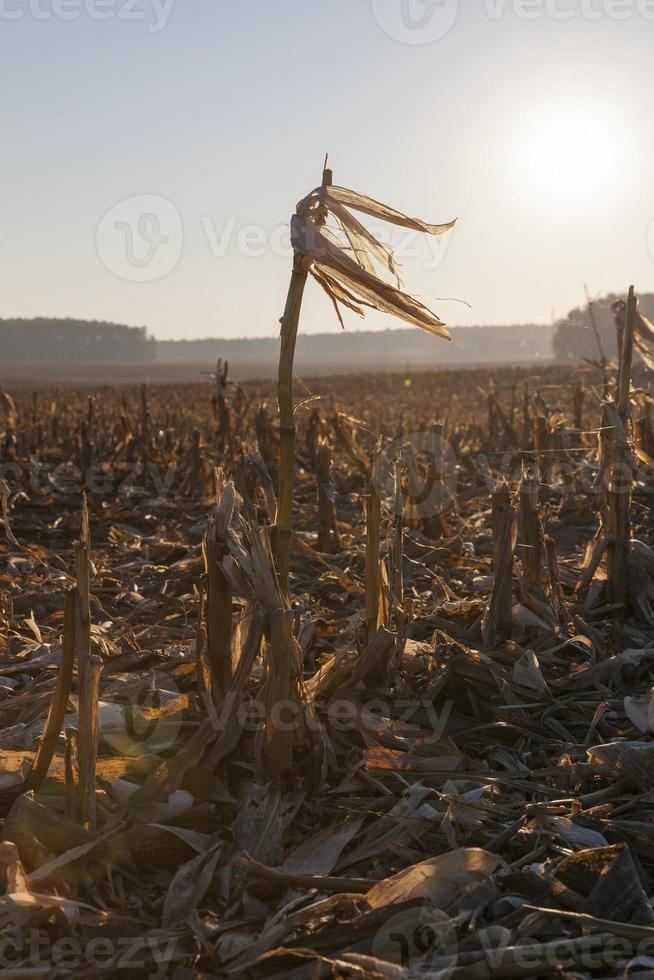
x=310 y=692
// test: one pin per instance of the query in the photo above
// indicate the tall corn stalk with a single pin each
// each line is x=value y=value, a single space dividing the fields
x=282 y=537
x=397 y=550
x=218 y=612
x=290 y=323
x=328 y=539
x=621 y=475
x=578 y=395
x=341 y=259
x=397 y=577
x=531 y=526
x=498 y=621
x=372 y=575
x=89 y=668
x=59 y=703
x=223 y=415
x=145 y=430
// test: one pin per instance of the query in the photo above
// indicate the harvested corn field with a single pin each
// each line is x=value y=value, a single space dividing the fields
x=426 y=753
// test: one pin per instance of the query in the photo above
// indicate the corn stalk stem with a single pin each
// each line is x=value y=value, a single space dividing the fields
x=284 y=519
x=618 y=534
x=89 y=668
x=145 y=429
x=283 y=533
x=59 y=702
x=373 y=583
x=397 y=578
x=218 y=612
x=328 y=540
x=627 y=353
x=621 y=475
x=531 y=528
x=500 y=619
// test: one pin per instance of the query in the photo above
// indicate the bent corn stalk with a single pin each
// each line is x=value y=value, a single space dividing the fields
x=341 y=257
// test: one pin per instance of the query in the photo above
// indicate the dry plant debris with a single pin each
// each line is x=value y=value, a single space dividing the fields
x=431 y=756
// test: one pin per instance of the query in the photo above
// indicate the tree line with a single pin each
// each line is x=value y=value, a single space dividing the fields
x=574 y=336
x=63 y=341
x=46 y=341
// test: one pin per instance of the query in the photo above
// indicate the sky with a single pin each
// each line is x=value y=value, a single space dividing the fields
x=153 y=152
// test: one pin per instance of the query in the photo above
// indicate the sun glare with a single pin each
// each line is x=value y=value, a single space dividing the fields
x=571 y=154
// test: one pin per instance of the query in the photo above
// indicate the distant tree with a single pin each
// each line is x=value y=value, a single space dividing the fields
x=573 y=335
x=46 y=341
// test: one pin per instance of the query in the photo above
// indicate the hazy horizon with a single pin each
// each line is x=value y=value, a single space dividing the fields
x=526 y=120
x=362 y=326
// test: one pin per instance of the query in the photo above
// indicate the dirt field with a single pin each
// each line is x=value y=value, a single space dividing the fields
x=29 y=375
x=440 y=728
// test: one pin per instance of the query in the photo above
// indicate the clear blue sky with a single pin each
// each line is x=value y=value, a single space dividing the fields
x=533 y=130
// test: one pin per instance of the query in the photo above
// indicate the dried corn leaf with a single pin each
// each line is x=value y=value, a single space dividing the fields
x=440 y=880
